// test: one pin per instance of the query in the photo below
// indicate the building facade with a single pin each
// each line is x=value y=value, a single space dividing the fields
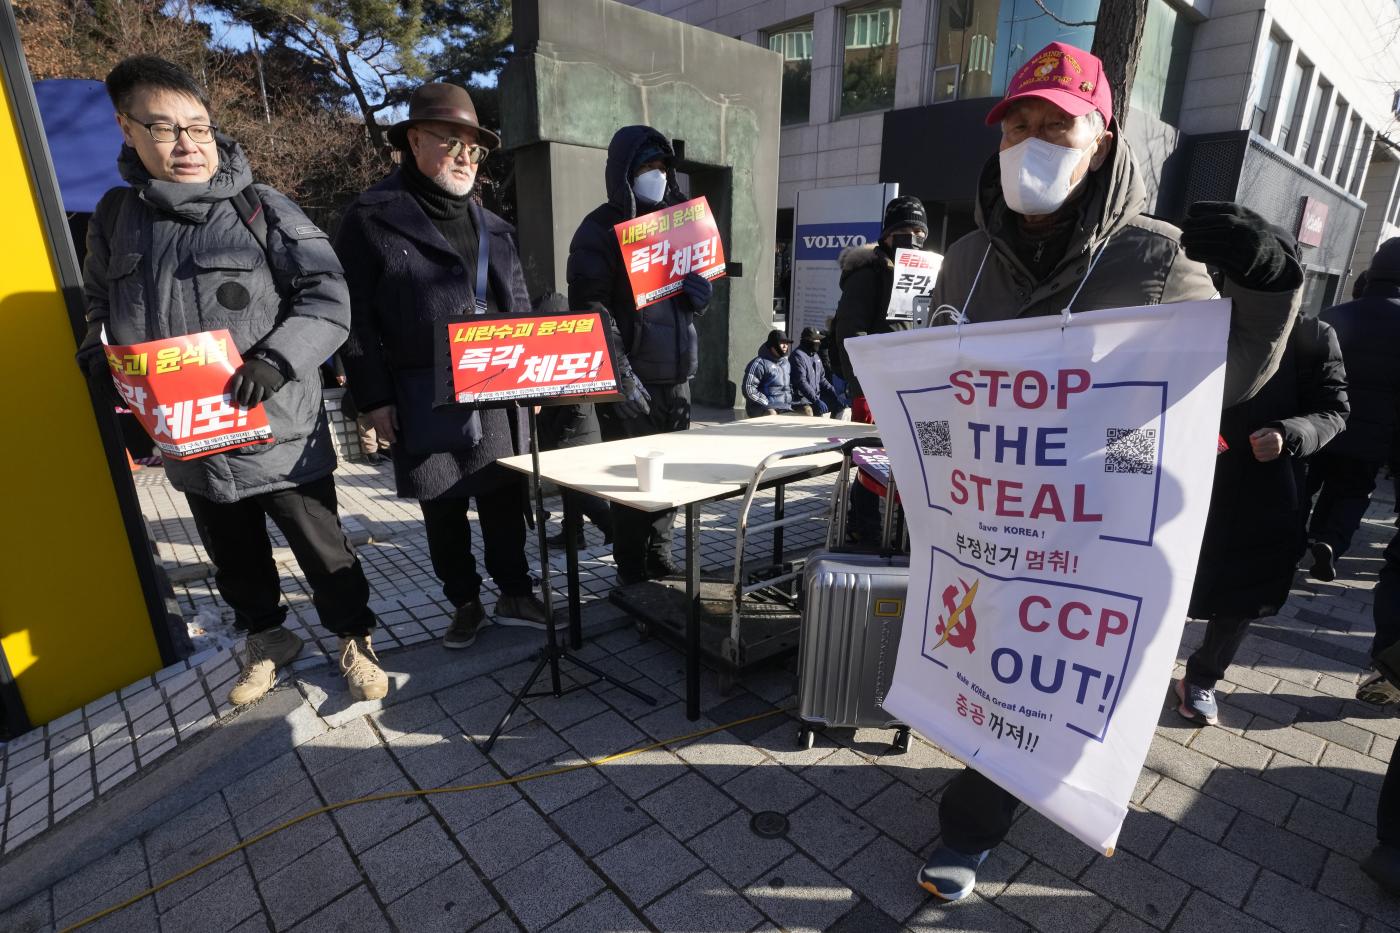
x=1288 y=106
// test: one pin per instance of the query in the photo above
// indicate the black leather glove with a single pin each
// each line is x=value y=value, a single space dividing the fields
x=92 y=355
x=698 y=290
x=636 y=400
x=256 y=381
x=1244 y=246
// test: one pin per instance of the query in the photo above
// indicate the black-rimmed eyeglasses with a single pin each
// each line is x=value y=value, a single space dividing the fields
x=198 y=133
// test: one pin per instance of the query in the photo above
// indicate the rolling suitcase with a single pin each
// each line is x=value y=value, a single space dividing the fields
x=852 y=612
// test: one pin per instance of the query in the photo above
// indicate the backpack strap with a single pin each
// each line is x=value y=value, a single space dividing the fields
x=250 y=210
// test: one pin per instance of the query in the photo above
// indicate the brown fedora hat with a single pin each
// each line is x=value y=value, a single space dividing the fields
x=446 y=103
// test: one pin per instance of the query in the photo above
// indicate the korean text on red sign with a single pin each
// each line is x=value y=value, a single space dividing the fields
x=178 y=389
x=540 y=356
x=663 y=247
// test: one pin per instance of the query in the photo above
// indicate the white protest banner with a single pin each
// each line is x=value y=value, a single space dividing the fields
x=915 y=271
x=1056 y=481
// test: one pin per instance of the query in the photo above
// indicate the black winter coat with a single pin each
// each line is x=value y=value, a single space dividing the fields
x=1368 y=331
x=1255 y=528
x=659 y=340
x=405 y=282
x=867 y=278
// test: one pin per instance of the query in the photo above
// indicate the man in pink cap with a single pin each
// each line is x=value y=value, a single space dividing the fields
x=1060 y=224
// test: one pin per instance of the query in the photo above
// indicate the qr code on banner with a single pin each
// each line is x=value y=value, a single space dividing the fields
x=934 y=439
x=1131 y=450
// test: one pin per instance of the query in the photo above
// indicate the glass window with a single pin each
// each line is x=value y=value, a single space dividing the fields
x=1348 y=154
x=871 y=41
x=981 y=43
x=1339 y=121
x=1290 y=112
x=1161 y=73
x=1263 y=83
x=1317 y=123
x=794 y=44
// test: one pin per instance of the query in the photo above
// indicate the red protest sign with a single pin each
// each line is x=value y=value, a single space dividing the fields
x=663 y=247
x=178 y=389
x=505 y=357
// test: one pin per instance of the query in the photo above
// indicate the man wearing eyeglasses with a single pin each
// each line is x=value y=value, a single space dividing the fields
x=191 y=245
x=419 y=249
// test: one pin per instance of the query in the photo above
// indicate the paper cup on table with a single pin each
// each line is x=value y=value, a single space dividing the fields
x=649 y=466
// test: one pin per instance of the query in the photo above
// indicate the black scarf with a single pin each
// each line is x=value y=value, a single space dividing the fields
x=449 y=213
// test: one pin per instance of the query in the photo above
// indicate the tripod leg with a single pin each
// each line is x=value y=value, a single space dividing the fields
x=608 y=678
x=519 y=698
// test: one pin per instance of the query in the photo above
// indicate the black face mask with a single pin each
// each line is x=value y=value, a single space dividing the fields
x=809 y=346
x=907 y=241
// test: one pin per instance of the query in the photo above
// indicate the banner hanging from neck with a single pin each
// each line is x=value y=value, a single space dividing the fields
x=1056 y=479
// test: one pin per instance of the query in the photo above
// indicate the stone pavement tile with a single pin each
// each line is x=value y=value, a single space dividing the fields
x=34 y=915
x=1339 y=733
x=1261 y=704
x=905 y=815
x=769 y=787
x=270 y=780
x=828 y=832
x=688 y=805
x=497 y=923
x=468 y=694
x=1343 y=880
x=1207 y=866
x=211 y=843
x=732 y=849
x=140 y=917
x=704 y=904
x=466 y=808
x=1137 y=886
x=600 y=819
x=1231 y=749
x=1277 y=849
x=603 y=734
x=355 y=912
x=648 y=864
x=358 y=774
x=780 y=744
x=1251 y=794
x=1363 y=803
x=1307 y=780
x=865 y=917
x=86 y=887
x=269 y=856
x=883 y=873
x=1333 y=830
x=1051 y=903
x=1124 y=922
x=548 y=886
x=972 y=914
x=450 y=901
x=721 y=756
x=478 y=720
x=604 y=912
x=1295 y=909
x=640 y=774
x=1203 y=815
x=441 y=762
x=1281 y=738
x=1205 y=914
x=745 y=705
x=408 y=858
x=524 y=747
x=559 y=713
x=632 y=708
x=798 y=895
x=1179 y=763
x=366 y=824
x=402 y=721
x=1047 y=843
x=296 y=798
x=312 y=881
x=219 y=906
x=551 y=793
x=848 y=777
x=506 y=838
x=1143 y=832
x=1362 y=769
x=336 y=746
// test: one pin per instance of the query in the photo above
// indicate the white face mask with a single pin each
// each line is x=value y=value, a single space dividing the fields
x=650 y=186
x=1035 y=175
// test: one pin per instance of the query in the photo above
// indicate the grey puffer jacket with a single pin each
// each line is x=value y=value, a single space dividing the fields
x=175 y=258
x=1142 y=264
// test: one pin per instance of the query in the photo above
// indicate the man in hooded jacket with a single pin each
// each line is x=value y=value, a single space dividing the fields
x=659 y=343
x=172 y=255
x=1060 y=224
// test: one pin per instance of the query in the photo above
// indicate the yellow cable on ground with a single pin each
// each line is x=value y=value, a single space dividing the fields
x=396 y=795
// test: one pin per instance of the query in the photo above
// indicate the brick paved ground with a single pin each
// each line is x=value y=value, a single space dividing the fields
x=1254 y=825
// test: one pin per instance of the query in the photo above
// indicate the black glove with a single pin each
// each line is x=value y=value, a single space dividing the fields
x=636 y=400
x=92 y=355
x=1244 y=246
x=698 y=290
x=256 y=381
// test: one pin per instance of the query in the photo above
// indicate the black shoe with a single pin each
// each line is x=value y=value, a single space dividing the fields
x=559 y=542
x=465 y=622
x=661 y=565
x=1323 y=567
x=625 y=578
x=1383 y=865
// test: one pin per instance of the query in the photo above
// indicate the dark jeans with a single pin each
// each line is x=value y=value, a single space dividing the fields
x=585 y=504
x=1343 y=487
x=235 y=535
x=500 y=512
x=1209 y=662
x=638 y=535
x=975 y=814
x=1388 y=812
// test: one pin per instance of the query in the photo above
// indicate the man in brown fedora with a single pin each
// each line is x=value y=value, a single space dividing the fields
x=418 y=249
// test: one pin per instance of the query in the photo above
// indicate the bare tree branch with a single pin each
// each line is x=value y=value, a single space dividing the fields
x=1047 y=11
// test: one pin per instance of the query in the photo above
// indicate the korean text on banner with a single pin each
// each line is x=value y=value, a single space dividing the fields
x=1056 y=481
x=178 y=389
x=915 y=271
x=663 y=247
x=505 y=357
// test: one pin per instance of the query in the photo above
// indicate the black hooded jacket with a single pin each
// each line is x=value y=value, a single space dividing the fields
x=1368 y=330
x=660 y=339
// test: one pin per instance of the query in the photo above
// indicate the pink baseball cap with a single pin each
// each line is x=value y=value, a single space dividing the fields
x=1070 y=78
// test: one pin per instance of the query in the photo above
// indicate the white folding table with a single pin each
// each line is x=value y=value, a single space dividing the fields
x=703 y=464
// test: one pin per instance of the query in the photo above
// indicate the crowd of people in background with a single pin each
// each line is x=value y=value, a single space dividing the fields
x=1311 y=405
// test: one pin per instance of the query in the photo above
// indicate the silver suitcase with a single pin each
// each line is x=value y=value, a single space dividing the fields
x=852 y=613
